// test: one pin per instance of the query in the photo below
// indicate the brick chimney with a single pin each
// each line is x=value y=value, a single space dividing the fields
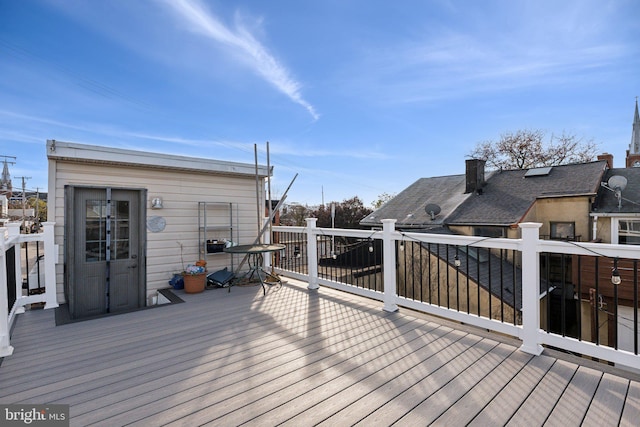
x=474 y=175
x=608 y=157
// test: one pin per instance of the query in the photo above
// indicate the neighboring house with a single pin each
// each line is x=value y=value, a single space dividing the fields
x=576 y=202
x=4 y=206
x=559 y=197
x=616 y=219
x=426 y=203
x=4 y=210
x=616 y=211
x=152 y=201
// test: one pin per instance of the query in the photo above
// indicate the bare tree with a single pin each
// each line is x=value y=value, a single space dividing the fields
x=525 y=149
x=382 y=199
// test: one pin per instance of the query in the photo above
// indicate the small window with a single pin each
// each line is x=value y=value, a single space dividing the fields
x=563 y=230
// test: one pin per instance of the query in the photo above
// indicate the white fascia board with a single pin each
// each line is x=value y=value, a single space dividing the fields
x=69 y=151
x=615 y=214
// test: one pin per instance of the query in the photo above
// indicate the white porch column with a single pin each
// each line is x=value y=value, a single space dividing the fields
x=5 y=348
x=312 y=253
x=50 y=261
x=14 y=234
x=389 y=265
x=530 y=288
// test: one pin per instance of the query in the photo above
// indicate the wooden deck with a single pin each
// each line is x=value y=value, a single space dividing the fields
x=299 y=358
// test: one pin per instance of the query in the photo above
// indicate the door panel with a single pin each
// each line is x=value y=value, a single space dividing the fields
x=106 y=251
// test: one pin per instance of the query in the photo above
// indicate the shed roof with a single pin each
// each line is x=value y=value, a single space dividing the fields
x=74 y=152
x=508 y=195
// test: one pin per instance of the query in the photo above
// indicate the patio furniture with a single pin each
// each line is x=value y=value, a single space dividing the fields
x=255 y=254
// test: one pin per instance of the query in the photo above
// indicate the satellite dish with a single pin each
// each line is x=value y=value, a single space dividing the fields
x=432 y=210
x=617 y=182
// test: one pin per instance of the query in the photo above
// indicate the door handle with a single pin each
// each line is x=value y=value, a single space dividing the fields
x=133 y=266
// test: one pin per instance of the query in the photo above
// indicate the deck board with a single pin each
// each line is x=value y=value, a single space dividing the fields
x=572 y=406
x=465 y=409
x=502 y=408
x=606 y=406
x=297 y=357
x=631 y=412
x=540 y=403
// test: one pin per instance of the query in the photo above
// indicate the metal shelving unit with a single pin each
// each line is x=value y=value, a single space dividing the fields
x=216 y=226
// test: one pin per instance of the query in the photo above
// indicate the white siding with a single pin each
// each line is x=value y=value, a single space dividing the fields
x=181 y=191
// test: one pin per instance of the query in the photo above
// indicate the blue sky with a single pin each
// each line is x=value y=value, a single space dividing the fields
x=358 y=97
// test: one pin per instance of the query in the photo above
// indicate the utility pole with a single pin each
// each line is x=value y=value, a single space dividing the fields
x=38 y=206
x=24 y=198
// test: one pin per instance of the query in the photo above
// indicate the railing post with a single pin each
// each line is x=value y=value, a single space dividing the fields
x=50 y=260
x=312 y=253
x=389 y=265
x=14 y=234
x=5 y=348
x=530 y=288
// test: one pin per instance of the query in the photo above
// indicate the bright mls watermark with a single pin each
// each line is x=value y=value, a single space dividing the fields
x=34 y=415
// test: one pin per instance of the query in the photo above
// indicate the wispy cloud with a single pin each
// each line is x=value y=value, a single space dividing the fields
x=334 y=151
x=254 y=53
x=495 y=50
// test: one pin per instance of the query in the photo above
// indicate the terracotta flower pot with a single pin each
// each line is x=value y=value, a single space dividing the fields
x=194 y=283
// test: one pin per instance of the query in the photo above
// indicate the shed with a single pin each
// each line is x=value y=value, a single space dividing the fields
x=162 y=210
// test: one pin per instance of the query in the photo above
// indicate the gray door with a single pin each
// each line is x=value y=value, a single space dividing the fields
x=106 y=251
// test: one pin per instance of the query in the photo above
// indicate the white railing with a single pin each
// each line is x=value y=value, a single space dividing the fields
x=529 y=247
x=10 y=237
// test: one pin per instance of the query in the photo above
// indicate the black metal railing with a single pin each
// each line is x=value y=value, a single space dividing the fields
x=353 y=261
x=583 y=302
x=472 y=280
x=294 y=256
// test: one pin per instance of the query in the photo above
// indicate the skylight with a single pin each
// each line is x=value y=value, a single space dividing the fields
x=538 y=171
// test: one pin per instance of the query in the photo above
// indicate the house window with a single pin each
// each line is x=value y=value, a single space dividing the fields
x=489 y=231
x=629 y=232
x=563 y=230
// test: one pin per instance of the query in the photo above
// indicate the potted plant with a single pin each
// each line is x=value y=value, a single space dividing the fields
x=194 y=276
x=195 y=279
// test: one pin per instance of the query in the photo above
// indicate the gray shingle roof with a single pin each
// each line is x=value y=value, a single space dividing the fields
x=408 y=206
x=508 y=195
x=606 y=202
